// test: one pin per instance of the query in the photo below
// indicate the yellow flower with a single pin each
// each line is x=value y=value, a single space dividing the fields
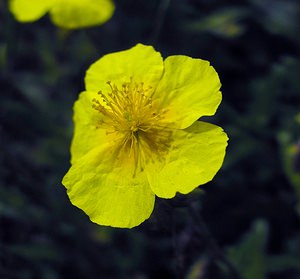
x=136 y=134
x=64 y=13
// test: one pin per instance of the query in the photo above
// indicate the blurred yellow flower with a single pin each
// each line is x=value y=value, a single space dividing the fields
x=70 y=14
x=136 y=134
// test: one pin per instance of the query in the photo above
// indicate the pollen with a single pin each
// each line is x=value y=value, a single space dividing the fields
x=135 y=120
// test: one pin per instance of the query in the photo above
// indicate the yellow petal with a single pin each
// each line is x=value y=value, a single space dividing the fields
x=108 y=193
x=88 y=134
x=81 y=13
x=194 y=157
x=142 y=63
x=26 y=11
x=188 y=90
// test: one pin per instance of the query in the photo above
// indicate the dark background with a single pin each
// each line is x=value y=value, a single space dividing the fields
x=251 y=207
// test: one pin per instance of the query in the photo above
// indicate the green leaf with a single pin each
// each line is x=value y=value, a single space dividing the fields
x=249 y=255
x=224 y=23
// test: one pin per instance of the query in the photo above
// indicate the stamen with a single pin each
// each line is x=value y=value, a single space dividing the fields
x=129 y=112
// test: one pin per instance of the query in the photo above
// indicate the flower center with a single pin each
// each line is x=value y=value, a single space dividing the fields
x=136 y=121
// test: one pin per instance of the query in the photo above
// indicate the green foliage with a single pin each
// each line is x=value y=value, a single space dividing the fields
x=249 y=255
x=254 y=46
x=225 y=23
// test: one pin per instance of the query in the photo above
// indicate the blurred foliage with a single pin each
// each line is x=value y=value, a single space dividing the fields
x=250 y=207
x=249 y=255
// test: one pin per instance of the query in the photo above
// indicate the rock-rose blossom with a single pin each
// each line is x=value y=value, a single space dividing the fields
x=136 y=134
x=69 y=14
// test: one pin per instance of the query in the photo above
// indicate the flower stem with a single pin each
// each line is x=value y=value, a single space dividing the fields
x=161 y=14
x=214 y=250
x=177 y=253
